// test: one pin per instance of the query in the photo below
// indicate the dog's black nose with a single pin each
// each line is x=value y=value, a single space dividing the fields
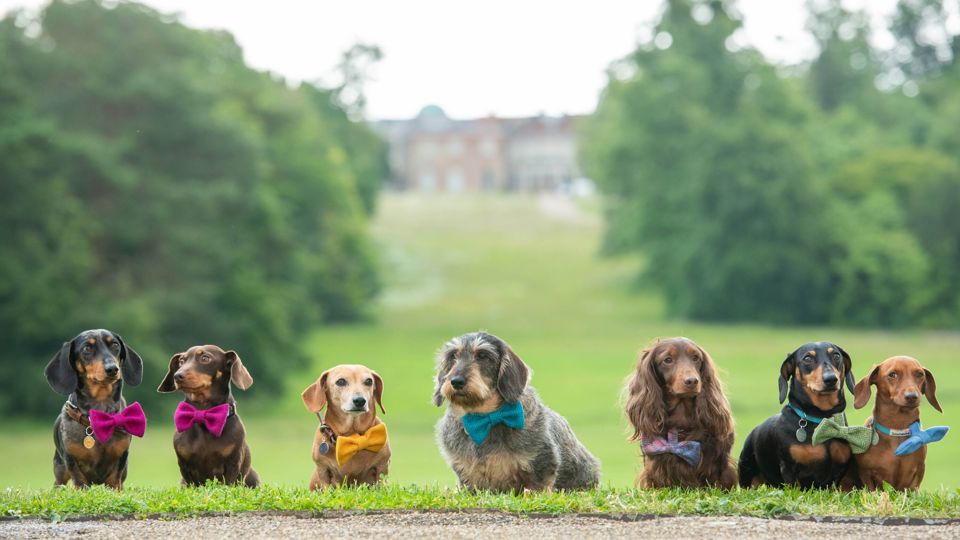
x=359 y=401
x=830 y=379
x=111 y=371
x=458 y=382
x=178 y=376
x=911 y=396
x=690 y=381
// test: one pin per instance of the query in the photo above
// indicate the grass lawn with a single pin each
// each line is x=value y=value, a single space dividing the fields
x=528 y=271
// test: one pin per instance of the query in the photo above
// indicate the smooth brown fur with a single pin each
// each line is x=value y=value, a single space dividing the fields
x=675 y=386
x=365 y=467
x=900 y=380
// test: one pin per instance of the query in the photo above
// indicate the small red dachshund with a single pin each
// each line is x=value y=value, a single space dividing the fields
x=681 y=417
x=900 y=381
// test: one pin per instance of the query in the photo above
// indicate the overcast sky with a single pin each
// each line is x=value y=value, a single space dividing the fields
x=506 y=57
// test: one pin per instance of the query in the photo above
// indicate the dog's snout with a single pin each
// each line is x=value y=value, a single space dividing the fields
x=690 y=381
x=830 y=378
x=359 y=401
x=458 y=382
x=111 y=370
x=178 y=376
x=911 y=396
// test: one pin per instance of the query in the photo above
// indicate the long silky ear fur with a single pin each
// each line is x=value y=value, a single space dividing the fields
x=645 y=407
x=167 y=384
x=848 y=369
x=315 y=396
x=512 y=377
x=61 y=376
x=132 y=365
x=930 y=390
x=786 y=372
x=238 y=373
x=712 y=407
x=378 y=390
x=861 y=392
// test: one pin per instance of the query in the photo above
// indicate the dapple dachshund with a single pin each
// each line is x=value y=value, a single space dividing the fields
x=779 y=451
x=210 y=441
x=90 y=369
x=350 y=444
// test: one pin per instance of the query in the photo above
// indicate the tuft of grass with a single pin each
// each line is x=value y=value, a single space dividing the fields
x=63 y=503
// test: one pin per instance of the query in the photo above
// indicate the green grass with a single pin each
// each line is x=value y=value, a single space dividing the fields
x=533 y=277
x=59 y=504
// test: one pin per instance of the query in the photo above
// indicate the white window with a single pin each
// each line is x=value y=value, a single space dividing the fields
x=456 y=181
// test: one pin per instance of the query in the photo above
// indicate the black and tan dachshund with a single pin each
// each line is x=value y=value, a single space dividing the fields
x=210 y=441
x=90 y=369
x=779 y=451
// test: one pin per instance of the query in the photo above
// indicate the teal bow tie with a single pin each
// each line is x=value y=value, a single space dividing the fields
x=859 y=437
x=478 y=426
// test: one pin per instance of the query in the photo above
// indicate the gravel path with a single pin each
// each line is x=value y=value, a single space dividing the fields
x=467 y=525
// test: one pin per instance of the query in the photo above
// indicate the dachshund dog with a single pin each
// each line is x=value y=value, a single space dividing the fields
x=899 y=380
x=780 y=451
x=210 y=441
x=90 y=370
x=496 y=433
x=350 y=444
x=681 y=416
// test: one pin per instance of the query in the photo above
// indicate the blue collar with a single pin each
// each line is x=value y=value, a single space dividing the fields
x=893 y=432
x=804 y=415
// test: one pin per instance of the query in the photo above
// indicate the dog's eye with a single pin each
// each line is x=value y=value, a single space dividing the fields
x=205 y=358
x=368 y=382
x=918 y=375
x=696 y=358
x=341 y=382
x=892 y=375
x=115 y=346
x=836 y=358
x=667 y=360
x=87 y=349
x=807 y=359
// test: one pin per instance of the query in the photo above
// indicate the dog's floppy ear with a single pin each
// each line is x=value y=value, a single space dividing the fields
x=847 y=368
x=512 y=378
x=378 y=390
x=315 y=396
x=441 y=360
x=238 y=374
x=645 y=408
x=861 y=392
x=132 y=364
x=61 y=376
x=167 y=384
x=930 y=389
x=786 y=372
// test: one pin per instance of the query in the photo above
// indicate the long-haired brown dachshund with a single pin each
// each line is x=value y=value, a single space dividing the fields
x=350 y=443
x=681 y=417
x=899 y=380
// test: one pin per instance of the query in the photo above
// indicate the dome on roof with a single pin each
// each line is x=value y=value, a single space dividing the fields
x=431 y=111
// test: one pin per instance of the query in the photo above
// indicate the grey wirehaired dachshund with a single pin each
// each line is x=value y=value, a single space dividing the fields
x=496 y=433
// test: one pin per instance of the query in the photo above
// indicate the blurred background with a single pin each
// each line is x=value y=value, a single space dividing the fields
x=313 y=184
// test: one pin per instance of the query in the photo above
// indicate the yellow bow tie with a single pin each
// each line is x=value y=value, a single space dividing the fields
x=373 y=440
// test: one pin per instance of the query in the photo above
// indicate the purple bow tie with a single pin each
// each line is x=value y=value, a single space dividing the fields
x=131 y=419
x=214 y=418
x=688 y=450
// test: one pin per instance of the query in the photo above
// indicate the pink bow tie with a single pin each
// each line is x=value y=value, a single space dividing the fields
x=214 y=418
x=131 y=419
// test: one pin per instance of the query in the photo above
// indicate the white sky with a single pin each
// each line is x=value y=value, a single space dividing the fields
x=504 y=57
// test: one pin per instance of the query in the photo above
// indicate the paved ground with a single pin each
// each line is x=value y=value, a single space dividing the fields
x=468 y=525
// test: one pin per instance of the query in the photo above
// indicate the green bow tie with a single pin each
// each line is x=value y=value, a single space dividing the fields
x=859 y=437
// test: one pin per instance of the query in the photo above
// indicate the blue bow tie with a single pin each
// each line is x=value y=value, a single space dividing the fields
x=478 y=426
x=919 y=437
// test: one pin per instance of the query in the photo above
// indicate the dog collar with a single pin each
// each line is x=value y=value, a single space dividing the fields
x=889 y=431
x=805 y=416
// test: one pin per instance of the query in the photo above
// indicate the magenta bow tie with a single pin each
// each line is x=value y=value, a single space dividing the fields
x=131 y=419
x=214 y=418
